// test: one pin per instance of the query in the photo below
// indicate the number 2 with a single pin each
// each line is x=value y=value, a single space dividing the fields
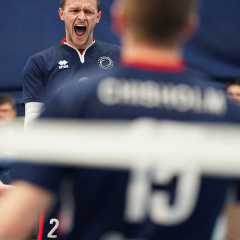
x=50 y=234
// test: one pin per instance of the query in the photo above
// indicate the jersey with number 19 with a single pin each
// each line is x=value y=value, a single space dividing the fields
x=105 y=200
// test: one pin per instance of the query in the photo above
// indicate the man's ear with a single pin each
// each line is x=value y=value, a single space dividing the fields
x=191 y=27
x=60 y=11
x=99 y=16
x=119 y=19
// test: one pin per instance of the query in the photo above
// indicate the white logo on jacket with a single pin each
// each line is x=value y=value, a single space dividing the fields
x=63 y=64
x=105 y=63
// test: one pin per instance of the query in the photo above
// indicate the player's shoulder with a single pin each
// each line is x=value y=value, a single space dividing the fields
x=108 y=46
x=197 y=77
x=47 y=51
x=44 y=56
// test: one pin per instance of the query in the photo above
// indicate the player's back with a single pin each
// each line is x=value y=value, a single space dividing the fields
x=142 y=90
x=114 y=204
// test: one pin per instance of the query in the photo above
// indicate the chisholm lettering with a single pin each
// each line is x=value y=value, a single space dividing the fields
x=150 y=94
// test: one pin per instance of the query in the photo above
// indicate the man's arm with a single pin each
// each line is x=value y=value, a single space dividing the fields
x=32 y=112
x=4 y=189
x=33 y=94
x=20 y=210
x=233 y=222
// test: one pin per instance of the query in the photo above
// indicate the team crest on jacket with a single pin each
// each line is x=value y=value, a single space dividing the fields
x=105 y=63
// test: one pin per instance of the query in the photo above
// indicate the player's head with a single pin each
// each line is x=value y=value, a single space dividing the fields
x=80 y=17
x=7 y=108
x=153 y=21
x=233 y=91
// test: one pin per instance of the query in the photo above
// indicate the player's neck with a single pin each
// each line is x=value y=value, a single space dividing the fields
x=79 y=47
x=157 y=55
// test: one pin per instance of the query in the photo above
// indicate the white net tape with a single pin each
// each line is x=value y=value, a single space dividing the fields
x=212 y=148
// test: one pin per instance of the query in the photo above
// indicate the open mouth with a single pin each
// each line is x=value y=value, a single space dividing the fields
x=80 y=29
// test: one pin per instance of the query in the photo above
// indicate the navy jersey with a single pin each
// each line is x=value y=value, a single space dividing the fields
x=102 y=195
x=50 y=69
x=5 y=171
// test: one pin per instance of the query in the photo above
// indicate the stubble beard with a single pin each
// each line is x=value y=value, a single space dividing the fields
x=77 y=45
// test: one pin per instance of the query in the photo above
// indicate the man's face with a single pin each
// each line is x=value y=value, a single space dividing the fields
x=80 y=17
x=7 y=113
x=233 y=93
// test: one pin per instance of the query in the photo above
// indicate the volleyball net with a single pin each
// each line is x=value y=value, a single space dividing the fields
x=212 y=148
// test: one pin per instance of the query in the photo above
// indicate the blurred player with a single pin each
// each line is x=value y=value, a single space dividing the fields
x=153 y=82
x=8 y=112
x=233 y=213
x=233 y=91
x=50 y=69
x=7 y=108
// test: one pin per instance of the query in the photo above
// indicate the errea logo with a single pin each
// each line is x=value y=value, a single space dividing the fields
x=63 y=64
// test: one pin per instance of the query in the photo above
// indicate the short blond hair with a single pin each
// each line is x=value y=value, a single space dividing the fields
x=63 y=3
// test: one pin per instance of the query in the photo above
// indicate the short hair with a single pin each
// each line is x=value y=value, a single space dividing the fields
x=159 y=21
x=63 y=3
x=5 y=98
x=235 y=82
